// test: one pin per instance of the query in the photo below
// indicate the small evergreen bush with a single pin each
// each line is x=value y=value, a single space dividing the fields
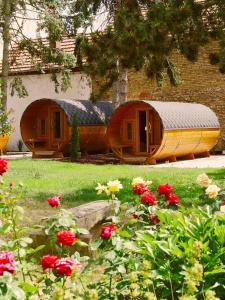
x=75 y=146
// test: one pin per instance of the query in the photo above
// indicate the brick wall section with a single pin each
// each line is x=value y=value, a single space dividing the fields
x=200 y=82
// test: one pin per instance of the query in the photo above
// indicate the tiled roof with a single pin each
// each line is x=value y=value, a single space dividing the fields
x=87 y=112
x=22 y=62
x=180 y=115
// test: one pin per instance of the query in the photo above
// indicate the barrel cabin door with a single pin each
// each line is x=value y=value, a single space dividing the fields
x=144 y=130
x=56 y=117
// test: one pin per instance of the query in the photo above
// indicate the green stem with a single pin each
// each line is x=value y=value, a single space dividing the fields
x=15 y=236
x=171 y=287
x=110 y=287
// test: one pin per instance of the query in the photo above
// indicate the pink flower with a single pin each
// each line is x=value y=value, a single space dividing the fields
x=3 y=165
x=173 y=199
x=66 y=266
x=107 y=231
x=66 y=237
x=153 y=219
x=53 y=201
x=164 y=189
x=139 y=189
x=148 y=198
x=48 y=261
x=7 y=262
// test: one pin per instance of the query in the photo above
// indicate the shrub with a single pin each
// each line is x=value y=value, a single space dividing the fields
x=75 y=146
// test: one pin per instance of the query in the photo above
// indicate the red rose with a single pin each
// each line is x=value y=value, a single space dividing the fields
x=107 y=231
x=7 y=262
x=139 y=189
x=164 y=189
x=53 y=201
x=48 y=261
x=148 y=198
x=65 y=266
x=3 y=165
x=173 y=199
x=66 y=237
x=222 y=202
x=153 y=219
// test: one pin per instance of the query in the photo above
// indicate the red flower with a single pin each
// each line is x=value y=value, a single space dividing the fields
x=7 y=262
x=48 y=261
x=3 y=165
x=65 y=266
x=222 y=202
x=139 y=189
x=173 y=199
x=148 y=198
x=66 y=237
x=53 y=201
x=107 y=231
x=153 y=219
x=164 y=189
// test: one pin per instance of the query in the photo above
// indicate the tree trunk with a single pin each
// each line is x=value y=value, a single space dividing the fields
x=5 y=58
x=120 y=88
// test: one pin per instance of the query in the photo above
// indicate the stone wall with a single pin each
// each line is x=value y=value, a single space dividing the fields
x=201 y=82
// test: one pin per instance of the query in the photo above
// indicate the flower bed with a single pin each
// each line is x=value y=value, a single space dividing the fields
x=150 y=248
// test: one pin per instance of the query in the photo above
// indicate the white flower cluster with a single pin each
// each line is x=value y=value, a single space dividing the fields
x=212 y=190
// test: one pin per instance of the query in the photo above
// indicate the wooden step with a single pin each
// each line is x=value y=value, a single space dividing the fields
x=135 y=160
x=47 y=154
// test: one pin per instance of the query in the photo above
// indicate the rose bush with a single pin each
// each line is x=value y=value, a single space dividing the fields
x=151 y=248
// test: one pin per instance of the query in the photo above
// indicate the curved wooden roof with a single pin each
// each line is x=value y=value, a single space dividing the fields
x=88 y=113
x=178 y=115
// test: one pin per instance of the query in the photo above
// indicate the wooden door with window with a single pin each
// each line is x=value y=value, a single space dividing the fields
x=56 y=128
x=142 y=131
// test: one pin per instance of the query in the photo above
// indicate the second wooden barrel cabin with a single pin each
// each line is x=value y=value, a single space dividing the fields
x=46 y=126
x=150 y=131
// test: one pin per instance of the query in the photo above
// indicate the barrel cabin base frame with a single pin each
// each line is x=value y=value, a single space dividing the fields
x=46 y=126
x=146 y=132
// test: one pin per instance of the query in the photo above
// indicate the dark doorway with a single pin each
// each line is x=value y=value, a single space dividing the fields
x=142 y=131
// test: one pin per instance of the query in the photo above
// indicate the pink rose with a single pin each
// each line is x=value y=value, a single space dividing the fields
x=65 y=266
x=7 y=262
x=107 y=231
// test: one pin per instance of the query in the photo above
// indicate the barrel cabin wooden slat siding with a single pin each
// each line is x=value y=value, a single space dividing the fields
x=151 y=131
x=46 y=126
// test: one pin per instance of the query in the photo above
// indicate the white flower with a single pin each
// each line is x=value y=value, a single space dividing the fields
x=101 y=188
x=212 y=191
x=114 y=186
x=138 y=180
x=203 y=180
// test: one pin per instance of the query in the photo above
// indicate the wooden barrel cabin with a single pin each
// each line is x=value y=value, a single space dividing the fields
x=151 y=131
x=46 y=126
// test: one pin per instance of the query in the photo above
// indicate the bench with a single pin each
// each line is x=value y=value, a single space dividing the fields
x=119 y=148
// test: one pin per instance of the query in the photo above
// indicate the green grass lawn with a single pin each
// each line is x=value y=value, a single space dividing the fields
x=77 y=182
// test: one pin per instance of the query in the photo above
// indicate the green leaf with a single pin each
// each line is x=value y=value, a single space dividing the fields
x=28 y=288
x=96 y=244
x=35 y=250
x=124 y=234
x=80 y=243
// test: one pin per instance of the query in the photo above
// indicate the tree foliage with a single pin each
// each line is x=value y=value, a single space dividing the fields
x=142 y=34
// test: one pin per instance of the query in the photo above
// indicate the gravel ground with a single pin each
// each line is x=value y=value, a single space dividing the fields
x=214 y=161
